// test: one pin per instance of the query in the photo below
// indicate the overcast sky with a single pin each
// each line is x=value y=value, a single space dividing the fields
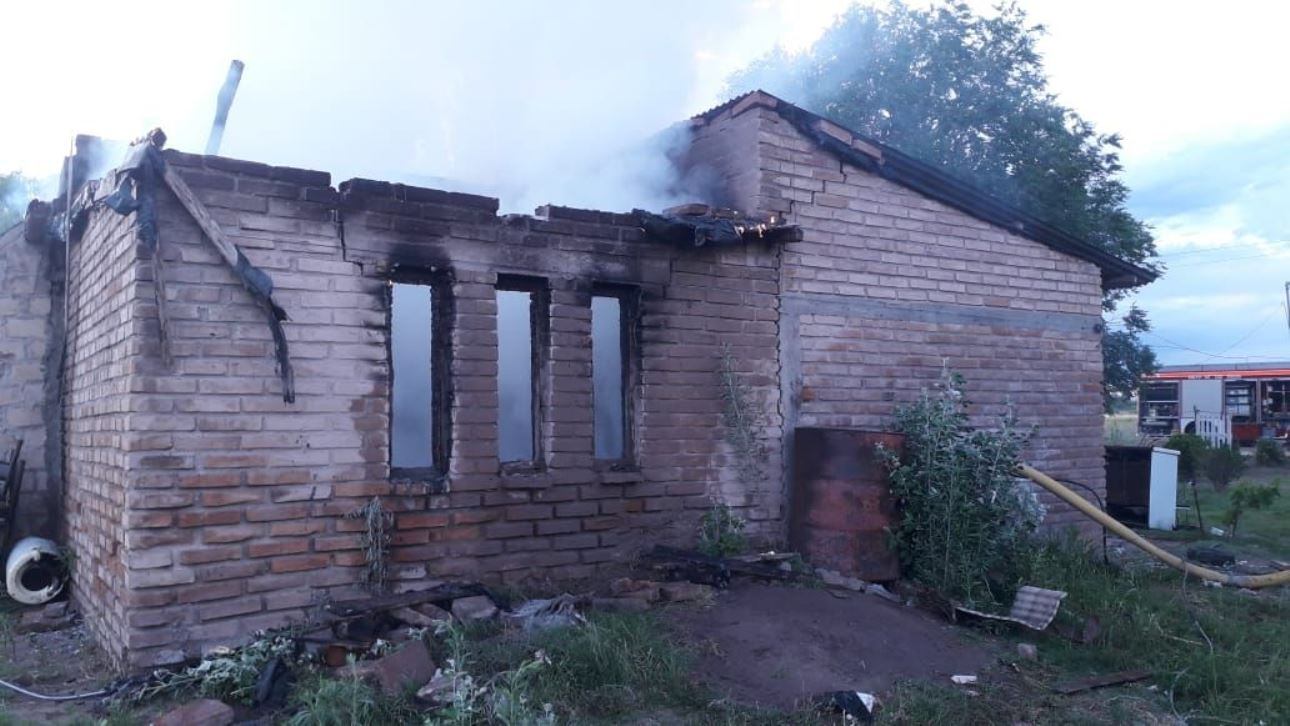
x=550 y=101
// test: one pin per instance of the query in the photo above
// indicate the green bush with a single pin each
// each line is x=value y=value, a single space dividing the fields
x=965 y=520
x=323 y=701
x=228 y=675
x=1245 y=496
x=1191 y=453
x=1223 y=465
x=1269 y=453
x=721 y=532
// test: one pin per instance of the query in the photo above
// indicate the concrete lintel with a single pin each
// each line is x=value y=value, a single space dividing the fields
x=804 y=303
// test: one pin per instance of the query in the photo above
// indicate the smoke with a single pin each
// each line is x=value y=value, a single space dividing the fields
x=571 y=103
x=565 y=101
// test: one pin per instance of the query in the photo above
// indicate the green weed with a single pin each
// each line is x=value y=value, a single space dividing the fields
x=1269 y=453
x=1218 y=654
x=323 y=701
x=721 y=532
x=612 y=666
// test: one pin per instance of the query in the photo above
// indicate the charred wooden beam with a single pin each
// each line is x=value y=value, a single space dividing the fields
x=698 y=567
x=700 y=226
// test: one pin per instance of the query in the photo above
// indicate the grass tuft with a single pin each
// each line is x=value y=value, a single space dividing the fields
x=613 y=665
x=325 y=701
x=1217 y=652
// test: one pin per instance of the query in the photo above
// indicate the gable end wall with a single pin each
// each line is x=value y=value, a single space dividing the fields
x=887 y=287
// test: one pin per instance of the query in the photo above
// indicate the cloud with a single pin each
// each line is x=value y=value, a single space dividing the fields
x=1244 y=180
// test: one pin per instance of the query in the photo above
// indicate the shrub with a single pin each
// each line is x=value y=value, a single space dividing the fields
x=1191 y=453
x=721 y=532
x=323 y=701
x=1222 y=465
x=1246 y=496
x=228 y=674
x=1269 y=453
x=965 y=519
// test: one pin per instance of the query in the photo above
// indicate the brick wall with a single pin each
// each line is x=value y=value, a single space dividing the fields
x=236 y=502
x=204 y=507
x=887 y=287
x=25 y=307
x=104 y=343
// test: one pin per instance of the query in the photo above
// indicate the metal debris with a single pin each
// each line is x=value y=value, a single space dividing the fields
x=1034 y=608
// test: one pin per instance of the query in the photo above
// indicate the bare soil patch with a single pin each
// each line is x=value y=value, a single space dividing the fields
x=57 y=662
x=776 y=646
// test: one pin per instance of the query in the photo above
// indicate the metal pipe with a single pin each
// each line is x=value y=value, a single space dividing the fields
x=222 y=105
x=1253 y=582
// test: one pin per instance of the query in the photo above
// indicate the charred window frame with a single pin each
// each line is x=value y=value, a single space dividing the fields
x=431 y=469
x=532 y=458
x=628 y=372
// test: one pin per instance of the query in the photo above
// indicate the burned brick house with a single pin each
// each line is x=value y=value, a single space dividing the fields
x=203 y=456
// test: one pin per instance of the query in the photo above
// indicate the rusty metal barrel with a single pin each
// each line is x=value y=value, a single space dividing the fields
x=841 y=503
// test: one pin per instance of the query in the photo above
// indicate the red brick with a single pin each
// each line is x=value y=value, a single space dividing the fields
x=299 y=563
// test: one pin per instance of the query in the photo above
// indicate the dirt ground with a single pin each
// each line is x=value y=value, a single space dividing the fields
x=774 y=646
x=58 y=662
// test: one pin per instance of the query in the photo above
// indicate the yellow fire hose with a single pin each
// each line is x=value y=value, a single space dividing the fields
x=1174 y=561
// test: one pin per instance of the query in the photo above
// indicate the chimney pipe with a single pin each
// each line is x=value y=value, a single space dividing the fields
x=222 y=105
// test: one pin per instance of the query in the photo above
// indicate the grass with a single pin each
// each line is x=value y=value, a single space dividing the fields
x=323 y=701
x=1214 y=654
x=1218 y=653
x=615 y=665
x=1264 y=532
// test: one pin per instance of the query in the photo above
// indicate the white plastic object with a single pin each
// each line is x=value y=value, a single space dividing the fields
x=1162 y=500
x=35 y=572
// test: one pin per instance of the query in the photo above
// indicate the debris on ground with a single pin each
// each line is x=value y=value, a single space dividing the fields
x=438 y=691
x=474 y=609
x=1215 y=556
x=205 y=712
x=545 y=614
x=963 y=680
x=649 y=592
x=686 y=592
x=410 y=665
x=694 y=566
x=1110 y=679
x=626 y=587
x=54 y=616
x=1028 y=651
x=833 y=578
x=1034 y=607
x=856 y=705
x=426 y=615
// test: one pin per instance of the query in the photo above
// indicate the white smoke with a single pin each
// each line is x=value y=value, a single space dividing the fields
x=561 y=101
x=564 y=102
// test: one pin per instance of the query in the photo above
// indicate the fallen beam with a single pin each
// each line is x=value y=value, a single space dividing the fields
x=698 y=567
x=1092 y=682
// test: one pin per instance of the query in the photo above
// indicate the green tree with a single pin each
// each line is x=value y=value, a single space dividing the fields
x=969 y=93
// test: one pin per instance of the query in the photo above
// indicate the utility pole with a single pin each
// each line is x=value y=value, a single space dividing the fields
x=1288 y=304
